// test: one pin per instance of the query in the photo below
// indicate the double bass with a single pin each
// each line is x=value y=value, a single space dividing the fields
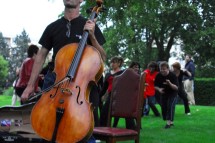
x=64 y=114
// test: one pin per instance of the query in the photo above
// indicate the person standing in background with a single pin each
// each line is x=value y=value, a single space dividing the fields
x=135 y=66
x=189 y=80
x=115 y=64
x=26 y=70
x=15 y=96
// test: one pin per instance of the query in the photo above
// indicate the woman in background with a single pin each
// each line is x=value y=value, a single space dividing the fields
x=25 y=71
x=115 y=64
x=149 y=94
x=181 y=92
x=135 y=66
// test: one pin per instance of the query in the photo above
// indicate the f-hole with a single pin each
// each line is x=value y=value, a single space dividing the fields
x=79 y=89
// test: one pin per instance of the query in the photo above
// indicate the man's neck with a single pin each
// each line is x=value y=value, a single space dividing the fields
x=71 y=14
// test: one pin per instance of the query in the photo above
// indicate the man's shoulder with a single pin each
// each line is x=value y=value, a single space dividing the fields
x=190 y=62
x=190 y=65
x=158 y=75
x=82 y=18
x=60 y=20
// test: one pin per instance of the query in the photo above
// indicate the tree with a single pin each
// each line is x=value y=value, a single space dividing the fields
x=3 y=72
x=145 y=30
x=199 y=39
x=18 y=53
x=4 y=56
x=4 y=48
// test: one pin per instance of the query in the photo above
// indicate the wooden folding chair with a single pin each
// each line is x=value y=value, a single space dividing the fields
x=126 y=102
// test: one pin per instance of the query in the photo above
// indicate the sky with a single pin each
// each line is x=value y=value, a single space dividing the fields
x=31 y=15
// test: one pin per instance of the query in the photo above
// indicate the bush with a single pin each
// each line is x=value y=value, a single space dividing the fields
x=204 y=91
x=8 y=92
x=3 y=72
x=206 y=72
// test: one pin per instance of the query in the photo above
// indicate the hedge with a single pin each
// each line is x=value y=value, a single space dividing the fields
x=204 y=91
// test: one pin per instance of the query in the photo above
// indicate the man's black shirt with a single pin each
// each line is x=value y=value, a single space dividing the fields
x=160 y=80
x=55 y=35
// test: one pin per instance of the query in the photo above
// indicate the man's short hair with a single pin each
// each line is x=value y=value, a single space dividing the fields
x=163 y=64
x=189 y=55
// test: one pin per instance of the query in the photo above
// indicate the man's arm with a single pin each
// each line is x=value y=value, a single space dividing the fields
x=160 y=90
x=37 y=67
x=192 y=69
x=171 y=85
x=187 y=73
x=90 y=26
x=98 y=47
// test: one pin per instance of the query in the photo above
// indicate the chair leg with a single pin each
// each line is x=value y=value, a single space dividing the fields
x=111 y=140
x=137 y=140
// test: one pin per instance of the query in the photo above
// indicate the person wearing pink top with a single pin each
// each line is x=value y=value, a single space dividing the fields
x=149 y=94
x=25 y=71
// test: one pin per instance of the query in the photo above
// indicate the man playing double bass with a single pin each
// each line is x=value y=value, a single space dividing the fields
x=66 y=30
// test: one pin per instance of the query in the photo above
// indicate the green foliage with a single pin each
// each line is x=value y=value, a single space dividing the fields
x=13 y=55
x=3 y=72
x=204 y=91
x=18 y=53
x=199 y=38
x=8 y=92
x=205 y=72
x=4 y=48
x=134 y=28
x=3 y=67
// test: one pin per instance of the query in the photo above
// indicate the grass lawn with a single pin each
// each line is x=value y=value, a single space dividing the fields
x=6 y=97
x=197 y=128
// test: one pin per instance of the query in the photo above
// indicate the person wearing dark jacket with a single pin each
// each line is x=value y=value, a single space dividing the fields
x=189 y=81
x=115 y=63
x=166 y=83
x=105 y=93
x=181 y=92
